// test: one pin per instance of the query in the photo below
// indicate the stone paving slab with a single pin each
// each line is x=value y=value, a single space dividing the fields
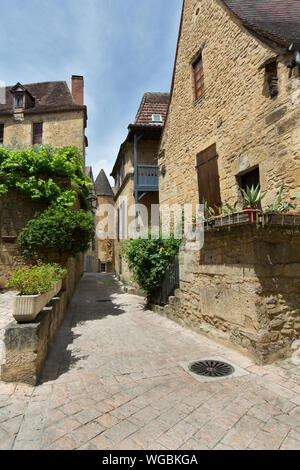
x=112 y=381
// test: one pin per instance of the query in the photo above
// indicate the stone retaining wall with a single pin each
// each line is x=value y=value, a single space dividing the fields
x=243 y=287
x=26 y=345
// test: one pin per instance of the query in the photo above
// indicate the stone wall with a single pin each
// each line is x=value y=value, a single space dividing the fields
x=16 y=209
x=243 y=288
x=26 y=345
x=236 y=112
x=60 y=129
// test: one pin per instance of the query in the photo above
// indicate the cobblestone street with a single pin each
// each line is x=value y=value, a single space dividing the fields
x=112 y=381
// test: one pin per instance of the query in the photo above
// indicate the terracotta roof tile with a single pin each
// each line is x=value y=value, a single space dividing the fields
x=152 y=103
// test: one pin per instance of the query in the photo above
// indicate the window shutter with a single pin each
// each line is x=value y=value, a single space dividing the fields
x=208 y=177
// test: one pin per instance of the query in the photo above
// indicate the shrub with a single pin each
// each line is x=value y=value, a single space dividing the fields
x=34 y=280
x=149 y=259
x=62 y=230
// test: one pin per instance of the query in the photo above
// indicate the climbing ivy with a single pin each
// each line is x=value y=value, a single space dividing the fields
x=33 y=171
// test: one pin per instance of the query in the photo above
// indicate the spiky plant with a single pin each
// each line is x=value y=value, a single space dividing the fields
x=252 y=196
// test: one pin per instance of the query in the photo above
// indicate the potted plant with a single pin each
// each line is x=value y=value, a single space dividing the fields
x=251 y=198
x=295 y=210
x=282 y=212
x=36 y=286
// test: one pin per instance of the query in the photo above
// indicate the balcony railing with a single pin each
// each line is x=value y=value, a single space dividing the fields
x=147 y=177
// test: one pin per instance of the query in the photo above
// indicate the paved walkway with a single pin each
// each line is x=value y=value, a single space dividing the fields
x=112 y=381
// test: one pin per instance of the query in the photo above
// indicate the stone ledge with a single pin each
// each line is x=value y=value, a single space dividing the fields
x=26 y=345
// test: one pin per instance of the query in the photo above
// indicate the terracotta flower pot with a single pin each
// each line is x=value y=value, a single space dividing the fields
x=252 y=214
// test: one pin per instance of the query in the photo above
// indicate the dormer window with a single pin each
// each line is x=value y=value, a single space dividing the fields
x=22 y=98
x=156 y=118
x=19 y=100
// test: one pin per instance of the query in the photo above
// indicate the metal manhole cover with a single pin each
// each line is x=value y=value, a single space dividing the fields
x=211 y=368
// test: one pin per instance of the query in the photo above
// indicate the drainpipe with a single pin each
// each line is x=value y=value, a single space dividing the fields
x=136 y=192
x=296 y=56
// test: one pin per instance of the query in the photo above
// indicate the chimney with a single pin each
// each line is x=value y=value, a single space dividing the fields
x=77 y=89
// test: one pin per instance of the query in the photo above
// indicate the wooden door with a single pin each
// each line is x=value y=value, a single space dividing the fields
x=208 y=177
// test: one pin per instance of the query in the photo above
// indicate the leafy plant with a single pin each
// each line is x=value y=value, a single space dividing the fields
x=231 y=209
x=252 y=196
x=59 y=229
x=33 y=170
x=34 y=280
x=280 y=205
x=149 y=259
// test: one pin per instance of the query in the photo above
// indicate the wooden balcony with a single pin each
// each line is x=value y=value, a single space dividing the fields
x=146 y=178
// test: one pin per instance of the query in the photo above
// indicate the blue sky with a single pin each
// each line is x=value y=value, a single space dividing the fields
x=122 y=47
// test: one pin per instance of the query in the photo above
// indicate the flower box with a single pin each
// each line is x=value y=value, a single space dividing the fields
x=275 y=218
x=27 y=307
x=236 y=218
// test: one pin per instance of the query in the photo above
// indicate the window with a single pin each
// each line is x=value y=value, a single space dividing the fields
x=156 y=118
x=250 y=178
x=198 y=77
x=37 y=133
x=208 y=177
x=19 y=100
x=122 y=170
x=272 y=78
x=121 y=221
x=1 y=133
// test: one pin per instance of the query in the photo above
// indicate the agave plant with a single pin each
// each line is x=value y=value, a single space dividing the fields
x=252 y=196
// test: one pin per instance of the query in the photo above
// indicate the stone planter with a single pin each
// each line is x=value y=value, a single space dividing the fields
x=27 y=307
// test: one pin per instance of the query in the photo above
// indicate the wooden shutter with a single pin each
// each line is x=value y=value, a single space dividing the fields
x=208 y=177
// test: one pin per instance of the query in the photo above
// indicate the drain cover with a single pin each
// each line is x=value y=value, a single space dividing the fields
x=211 y=368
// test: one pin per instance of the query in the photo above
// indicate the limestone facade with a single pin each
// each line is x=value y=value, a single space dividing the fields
x=236 y=112
x=243 y=285
x=60 y=129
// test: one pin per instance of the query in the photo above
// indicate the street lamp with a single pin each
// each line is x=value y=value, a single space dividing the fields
x=92 y=201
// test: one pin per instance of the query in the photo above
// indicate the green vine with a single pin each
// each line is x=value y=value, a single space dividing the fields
x=33 y=171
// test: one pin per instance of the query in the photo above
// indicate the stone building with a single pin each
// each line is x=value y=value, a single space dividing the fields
x=44 y=113
x=105 y=196
x=38 y=113
x=233 y=121
x=136 y=172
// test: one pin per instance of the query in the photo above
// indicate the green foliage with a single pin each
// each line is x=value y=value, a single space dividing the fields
x=149 y=259
x=34 y=280
x=59 y=229
x=252 y=196
x=32 y=171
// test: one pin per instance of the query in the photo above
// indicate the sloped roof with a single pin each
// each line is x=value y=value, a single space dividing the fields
x=152 y=103
x=47 y=96
x=278 y=20
x=102 y=186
